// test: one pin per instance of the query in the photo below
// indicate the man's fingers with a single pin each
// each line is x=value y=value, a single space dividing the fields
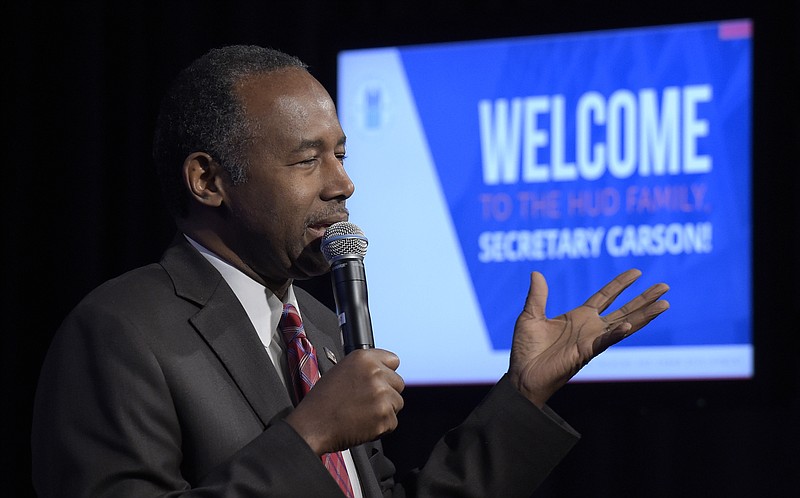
x=536 y=301
x=388 y=358
x=645 y=307
x=603 y=298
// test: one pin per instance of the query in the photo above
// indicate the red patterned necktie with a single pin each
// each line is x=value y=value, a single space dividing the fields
x=304 y=371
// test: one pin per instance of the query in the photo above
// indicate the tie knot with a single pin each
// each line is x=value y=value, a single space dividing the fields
x=290 y=324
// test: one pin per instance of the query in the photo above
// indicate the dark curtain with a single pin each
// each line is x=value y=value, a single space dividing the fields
x=82 y=82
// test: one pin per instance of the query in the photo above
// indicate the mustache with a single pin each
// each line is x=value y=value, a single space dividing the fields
x=331 y=214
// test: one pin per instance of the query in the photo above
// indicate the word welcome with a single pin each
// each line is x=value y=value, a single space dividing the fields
x=624 y=134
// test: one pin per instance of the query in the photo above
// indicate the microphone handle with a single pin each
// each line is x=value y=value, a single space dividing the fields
x=350 y=293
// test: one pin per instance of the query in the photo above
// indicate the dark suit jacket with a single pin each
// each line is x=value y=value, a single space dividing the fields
x=158 y=385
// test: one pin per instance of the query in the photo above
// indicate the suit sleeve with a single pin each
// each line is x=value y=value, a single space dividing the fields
x=506 y=447
x=105 y=425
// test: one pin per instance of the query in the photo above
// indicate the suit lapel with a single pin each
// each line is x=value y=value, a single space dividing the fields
x=225 y=327
x=327 y=352
x=227 y=330
x=233 y=338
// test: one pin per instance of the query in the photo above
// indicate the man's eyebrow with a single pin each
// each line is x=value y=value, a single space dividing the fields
x=316 y=144
x=308 y=144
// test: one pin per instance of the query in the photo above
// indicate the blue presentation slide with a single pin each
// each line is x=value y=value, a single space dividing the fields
x=577 y=155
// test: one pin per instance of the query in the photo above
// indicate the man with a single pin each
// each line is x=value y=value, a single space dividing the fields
x=173 y=378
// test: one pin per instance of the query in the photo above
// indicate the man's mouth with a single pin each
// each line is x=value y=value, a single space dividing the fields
x=317 y=228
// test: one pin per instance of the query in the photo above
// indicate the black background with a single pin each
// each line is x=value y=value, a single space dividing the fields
x=82 y=82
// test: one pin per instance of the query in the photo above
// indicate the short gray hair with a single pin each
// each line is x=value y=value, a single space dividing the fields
x=201 y=113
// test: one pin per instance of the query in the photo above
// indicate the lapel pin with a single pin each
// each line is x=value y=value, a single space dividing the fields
x=331 y=356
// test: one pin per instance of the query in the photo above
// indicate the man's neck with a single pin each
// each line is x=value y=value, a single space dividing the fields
x=212 y=243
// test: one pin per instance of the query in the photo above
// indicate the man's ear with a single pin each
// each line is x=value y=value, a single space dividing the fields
x=203 y=177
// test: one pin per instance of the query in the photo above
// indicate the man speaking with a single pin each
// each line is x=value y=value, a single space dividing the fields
x=209 y=374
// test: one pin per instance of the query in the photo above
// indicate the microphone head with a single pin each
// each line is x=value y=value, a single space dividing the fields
x=343 y=239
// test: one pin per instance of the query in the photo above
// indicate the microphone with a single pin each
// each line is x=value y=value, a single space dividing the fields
x=344 y=246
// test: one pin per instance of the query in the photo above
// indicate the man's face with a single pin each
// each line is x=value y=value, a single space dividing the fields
x=296 y=184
